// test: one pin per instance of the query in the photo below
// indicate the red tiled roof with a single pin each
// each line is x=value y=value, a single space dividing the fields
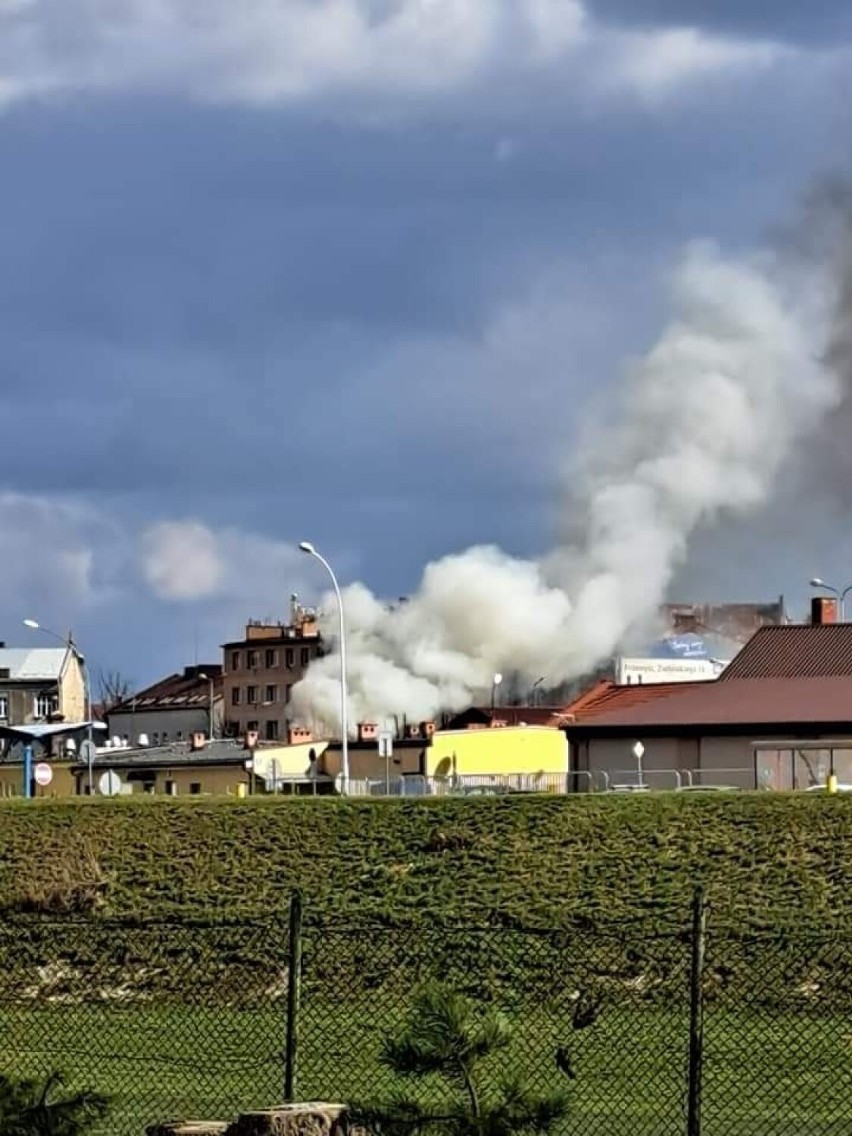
x=747 y=702
x=794 y=651
x=606 y=696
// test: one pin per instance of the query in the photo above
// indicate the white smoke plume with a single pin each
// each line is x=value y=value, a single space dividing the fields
x=704 y=424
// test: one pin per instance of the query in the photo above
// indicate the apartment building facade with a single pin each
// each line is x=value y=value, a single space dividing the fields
x=41 y=684
x=260 y=671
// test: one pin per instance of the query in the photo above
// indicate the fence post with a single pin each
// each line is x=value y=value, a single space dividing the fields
x=696 y=1013
x=294 y=989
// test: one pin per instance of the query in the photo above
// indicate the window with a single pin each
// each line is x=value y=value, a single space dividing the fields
x=251 y=660
x=4 y=706
x=195 y=788
x=165 y=737
x=235 y=660
x=45 y=704
x=271 y=693
x=251 y=727
x=272 y=730
x=290 y=657
x=170 y=788
x=271 y=657
x=235 y=696
x=180 y=735
x=155 y=739
x=288 y=691
x=306 y=656
x=251 y=695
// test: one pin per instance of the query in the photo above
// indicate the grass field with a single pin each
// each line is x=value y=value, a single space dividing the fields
x=764 y=1075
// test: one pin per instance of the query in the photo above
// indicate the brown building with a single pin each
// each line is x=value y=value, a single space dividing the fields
x=260 y=671
x=173 y=709
x=779 y=717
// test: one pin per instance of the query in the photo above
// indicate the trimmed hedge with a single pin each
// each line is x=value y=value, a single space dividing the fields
x=594 y=862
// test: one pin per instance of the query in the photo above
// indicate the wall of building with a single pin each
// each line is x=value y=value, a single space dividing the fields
x=709 y=759
x=365 y=763
x=12 y=780
x=507 y=749
x=231 y=779
x=72 y=691
x=614 y=758
x=259 y=674
x=163 y=726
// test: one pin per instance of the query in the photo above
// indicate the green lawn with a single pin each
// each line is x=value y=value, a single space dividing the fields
x=765 y=1075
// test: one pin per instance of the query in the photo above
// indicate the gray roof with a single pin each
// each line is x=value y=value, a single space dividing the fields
x=222 y=752
x=33 y=664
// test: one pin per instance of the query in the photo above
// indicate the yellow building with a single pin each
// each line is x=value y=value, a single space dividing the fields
x=524 y=757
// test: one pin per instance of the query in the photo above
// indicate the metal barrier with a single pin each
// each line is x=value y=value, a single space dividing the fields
x=634 y=781
x=461 y=785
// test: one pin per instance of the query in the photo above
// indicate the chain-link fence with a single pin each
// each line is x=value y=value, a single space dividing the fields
x=649 y=1036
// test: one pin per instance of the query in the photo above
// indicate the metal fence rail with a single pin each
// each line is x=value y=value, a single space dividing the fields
x=688 y=1029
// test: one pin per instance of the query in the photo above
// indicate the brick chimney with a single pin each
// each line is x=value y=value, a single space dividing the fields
x=823 y=609
x=368 y=731
x=298 y=735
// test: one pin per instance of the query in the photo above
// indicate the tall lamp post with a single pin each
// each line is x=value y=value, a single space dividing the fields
x=816 y=582
x=212 y=719
x=309 y=549
x=69 y=643
x=495 y=682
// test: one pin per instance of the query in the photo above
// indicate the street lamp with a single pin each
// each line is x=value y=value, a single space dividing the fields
x=495 y=682
x=638 y=753
x=309 y=549
x=534 y=690
x=69 y=643
x=816 y=582
x=207 y=678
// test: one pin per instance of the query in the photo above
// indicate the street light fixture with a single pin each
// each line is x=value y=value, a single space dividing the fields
x=638 y=751
x=69 y=643
x=817 y=582
x=534 y=690
x=310 y=550
x=210 y=680
x=495 y=682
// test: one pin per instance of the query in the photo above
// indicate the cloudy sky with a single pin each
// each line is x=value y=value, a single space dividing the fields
x=355 y=271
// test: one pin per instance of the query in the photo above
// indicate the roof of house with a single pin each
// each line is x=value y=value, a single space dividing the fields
x=33 y=664
x=797 y=650
x=606 y=696
x=184 y=691
x=505 y=715
x=746 y=702
x=220 y=752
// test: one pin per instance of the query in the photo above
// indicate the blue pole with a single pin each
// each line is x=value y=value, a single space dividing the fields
x=28 y=770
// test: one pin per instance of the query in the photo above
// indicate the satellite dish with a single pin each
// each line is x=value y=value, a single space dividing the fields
x=109 y=783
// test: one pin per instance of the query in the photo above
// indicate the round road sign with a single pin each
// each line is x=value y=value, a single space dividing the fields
x=43 y=773
x=88 y=751
x=109 y=783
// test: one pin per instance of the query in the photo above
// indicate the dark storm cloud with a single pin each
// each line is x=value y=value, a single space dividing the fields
x=820 y=22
